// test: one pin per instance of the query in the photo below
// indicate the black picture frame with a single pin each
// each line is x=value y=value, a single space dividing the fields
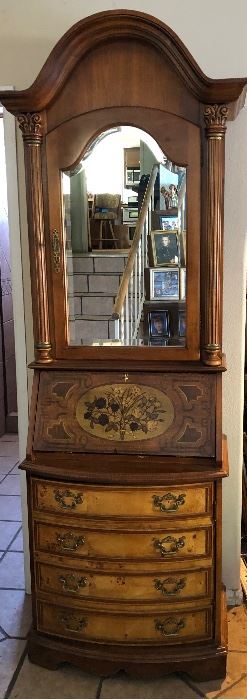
x=159 y=324
x=182 y=323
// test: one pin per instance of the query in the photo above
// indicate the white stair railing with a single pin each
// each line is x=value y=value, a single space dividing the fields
x=131 y=294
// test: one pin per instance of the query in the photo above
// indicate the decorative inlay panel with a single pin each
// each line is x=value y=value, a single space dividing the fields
x=152 y=413
x=119 y=412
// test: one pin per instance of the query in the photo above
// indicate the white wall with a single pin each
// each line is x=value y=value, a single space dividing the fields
x=215 y=34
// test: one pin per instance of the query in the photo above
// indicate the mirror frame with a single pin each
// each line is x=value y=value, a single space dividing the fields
x=171 y=83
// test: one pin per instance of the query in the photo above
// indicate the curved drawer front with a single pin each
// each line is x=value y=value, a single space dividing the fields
x=170 y=544
x=57 y=497
x=157 y=588
x=172 y=628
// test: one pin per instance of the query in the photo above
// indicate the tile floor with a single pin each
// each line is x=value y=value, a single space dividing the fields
x=21 y=679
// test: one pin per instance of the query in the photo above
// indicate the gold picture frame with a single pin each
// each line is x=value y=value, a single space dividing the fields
x=164 y=248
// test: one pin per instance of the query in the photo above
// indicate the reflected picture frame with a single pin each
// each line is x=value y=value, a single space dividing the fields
x=182 y=283
x=164 y=248
x=182 y=323
x=159 y=324
x=164 y=283
x=182 y=248
x=168 y=223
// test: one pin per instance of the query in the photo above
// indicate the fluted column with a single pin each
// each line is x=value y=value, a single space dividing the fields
x=215 y=119
x=32 y=130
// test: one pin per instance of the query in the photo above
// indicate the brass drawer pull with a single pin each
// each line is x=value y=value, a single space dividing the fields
x=170 y=586
x=169 y=545
x=170 y=627
x=70 y=541
x=169 y=502
x=62 y=496
x=71 y=583
x=73 y=623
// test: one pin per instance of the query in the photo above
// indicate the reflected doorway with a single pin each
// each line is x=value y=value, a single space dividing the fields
x=8 y=394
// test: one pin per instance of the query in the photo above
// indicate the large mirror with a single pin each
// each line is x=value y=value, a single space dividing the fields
x=124 y=212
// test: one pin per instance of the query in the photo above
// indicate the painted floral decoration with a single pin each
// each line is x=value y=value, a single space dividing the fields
x=124 y=410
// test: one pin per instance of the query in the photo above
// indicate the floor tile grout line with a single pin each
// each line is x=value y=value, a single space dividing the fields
x=229 y=687
x=14 y=467
x=13 y=538
x=3 y=588
x=16 y=672
x=191 y=684
x=15 y=495
x=10 y=521
x=8 y=636
x=8 y=474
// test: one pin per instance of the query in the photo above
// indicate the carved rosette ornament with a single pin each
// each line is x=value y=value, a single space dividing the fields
x=215 y=117
x=31 y=125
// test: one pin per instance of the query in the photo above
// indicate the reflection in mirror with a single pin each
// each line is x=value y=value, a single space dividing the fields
x=124 y=211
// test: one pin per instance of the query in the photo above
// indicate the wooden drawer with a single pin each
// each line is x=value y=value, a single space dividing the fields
x=93 y=501
x=111 y=586
x=160 y=544
x=169 y=628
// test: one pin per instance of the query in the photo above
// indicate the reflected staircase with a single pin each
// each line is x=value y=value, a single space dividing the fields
x=106 y=289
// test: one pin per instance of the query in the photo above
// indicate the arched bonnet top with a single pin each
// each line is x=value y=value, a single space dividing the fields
x=110 y=26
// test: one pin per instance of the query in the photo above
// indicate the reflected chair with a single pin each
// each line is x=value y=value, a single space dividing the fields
x=106 y=210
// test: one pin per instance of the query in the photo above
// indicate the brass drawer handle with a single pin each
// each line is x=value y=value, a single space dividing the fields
x=70 y=541
x=72 y=583
x=73 y=623
x=170 y=586
x=170 y=627
x=62 y=496
x=169 y=502
x=169 y=545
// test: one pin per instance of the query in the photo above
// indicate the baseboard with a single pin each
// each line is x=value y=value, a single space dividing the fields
x=234 y=596
x=12 y=423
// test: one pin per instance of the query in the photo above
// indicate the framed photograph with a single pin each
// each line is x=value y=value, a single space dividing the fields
x=169 y=223
x=164 y=283
x=182 y=283
x=160 y=341
x=182 y=248
x=181 y=323
x=158 y=324
x=164 y=247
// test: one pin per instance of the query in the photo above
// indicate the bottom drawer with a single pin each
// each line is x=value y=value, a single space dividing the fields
x=172 y=628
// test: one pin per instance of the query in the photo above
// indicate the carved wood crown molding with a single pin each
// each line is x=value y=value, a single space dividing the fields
x=31 y=126
x=117 y=25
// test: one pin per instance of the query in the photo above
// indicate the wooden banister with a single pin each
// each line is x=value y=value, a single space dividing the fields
x=125 y=281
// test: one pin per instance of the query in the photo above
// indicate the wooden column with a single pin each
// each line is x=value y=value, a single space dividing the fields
x=215 y=119
x=31 y=126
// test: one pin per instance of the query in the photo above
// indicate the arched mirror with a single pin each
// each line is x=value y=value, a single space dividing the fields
x=125 y=221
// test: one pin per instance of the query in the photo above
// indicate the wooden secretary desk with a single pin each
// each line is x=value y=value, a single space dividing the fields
x=125 y=454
